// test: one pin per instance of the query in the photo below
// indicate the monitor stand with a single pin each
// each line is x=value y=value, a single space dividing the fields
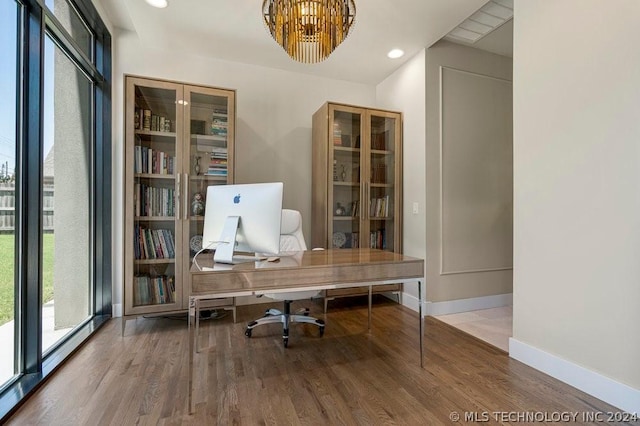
x=227 y=244
x=227 y=241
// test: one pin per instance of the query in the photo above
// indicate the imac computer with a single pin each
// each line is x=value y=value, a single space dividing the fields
x=243 y=218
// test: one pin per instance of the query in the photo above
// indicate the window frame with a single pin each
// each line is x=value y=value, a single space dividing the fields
x=35 y=22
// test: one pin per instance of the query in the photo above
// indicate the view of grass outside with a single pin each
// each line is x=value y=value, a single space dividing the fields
x=7 y=283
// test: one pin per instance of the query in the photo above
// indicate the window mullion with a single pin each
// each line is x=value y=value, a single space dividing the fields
x=31 y=190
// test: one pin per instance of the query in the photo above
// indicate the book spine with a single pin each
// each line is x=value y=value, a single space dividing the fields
x=146 y=120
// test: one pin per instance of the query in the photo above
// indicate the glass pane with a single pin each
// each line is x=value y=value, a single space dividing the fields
x=67 y=189
x=346 y=180
x=155 y=209
x=74 y=25
x=8 y=93
x=209 y=121
x=382 y=183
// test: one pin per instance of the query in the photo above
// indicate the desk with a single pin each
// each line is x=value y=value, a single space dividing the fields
x=309 y=270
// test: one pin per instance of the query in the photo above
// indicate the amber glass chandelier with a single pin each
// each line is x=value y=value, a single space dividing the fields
x=309 y=30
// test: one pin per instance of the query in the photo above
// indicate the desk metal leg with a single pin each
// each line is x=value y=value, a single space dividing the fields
x=421 y=322
x=192 y=337
x=370 y=299
x=197 y=307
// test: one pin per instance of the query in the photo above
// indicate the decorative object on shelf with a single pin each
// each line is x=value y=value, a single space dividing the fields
x=339 y=239
x=343 y=173
x=197 y=204
x=340 y=210
x=309 y=30
x=195 y=243
x=196 y=167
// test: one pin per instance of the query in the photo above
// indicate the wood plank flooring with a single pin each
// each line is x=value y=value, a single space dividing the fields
x=349 y=376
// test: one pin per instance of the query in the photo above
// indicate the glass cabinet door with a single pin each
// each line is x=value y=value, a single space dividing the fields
x=153 y=121
x=209 y=118
x=345 y=192
x=382 y=188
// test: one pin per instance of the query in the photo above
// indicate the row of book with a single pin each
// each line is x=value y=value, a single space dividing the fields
x=145 y=119
x=154 y=290
x=152 y=201
x=378 y=239
x=379 y=207
x=148 y=160
x=218 y=162
x=219 y=125
x=153 y=243
x=337 y=134
x=353 y=240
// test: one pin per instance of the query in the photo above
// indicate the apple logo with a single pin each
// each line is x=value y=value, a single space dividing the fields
x=236 y=199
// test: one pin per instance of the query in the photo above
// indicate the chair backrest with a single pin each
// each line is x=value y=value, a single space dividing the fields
x=291 y=237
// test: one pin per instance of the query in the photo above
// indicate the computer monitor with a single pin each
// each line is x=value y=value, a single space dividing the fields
x=242 y=218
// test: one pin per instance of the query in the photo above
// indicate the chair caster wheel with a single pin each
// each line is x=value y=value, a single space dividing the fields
x=285 y=342
x=247 y=332
x=321 y=331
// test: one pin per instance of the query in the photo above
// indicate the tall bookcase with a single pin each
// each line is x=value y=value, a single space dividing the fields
x=357 y=182
x=179 y=139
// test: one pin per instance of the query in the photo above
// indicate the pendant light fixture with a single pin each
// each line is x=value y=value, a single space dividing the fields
x=309 y=30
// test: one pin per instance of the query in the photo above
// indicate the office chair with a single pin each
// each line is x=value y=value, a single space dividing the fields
x=291 y=241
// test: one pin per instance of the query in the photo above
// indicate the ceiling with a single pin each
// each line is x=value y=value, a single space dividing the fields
x=233 y=30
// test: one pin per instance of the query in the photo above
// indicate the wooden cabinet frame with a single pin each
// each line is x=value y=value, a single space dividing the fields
x=372 y=144
x=187 y=108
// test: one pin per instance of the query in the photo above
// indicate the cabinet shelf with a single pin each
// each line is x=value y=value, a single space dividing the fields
x=153 y=261
x=345 y=149
x=154 y=218
x=208 y=178
x=381 y=152
x=211 y=138
x=336 y=183
x=153 y=176
x=155 y=133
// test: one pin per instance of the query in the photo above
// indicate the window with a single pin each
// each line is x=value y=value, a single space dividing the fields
x=55 y=187
x=66 y=196
x=9 y=15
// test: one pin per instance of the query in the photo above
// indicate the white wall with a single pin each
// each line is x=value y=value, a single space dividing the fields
x=274 y=109
x=483 y=209
x=404 y=91
x=577 y=188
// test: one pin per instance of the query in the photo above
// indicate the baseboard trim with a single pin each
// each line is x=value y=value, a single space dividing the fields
x=117 y=310
x=411 y=302
x=466 y=305
x=608 y=390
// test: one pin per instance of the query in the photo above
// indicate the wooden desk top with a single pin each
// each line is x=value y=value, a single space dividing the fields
x=308 y=269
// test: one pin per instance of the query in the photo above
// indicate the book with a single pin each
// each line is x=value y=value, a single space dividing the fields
x=146 y=119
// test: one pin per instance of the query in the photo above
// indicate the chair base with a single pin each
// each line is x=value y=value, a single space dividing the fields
x=273 y=316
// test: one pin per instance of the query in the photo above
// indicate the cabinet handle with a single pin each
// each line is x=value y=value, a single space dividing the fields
x=366 y=197
x=178 y=200
x=186 y=200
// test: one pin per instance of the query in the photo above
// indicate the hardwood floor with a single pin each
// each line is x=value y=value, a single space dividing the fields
x=349 y=376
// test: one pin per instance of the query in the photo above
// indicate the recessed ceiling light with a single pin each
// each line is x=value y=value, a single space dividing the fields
x=158 y=3
x=395 y=53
